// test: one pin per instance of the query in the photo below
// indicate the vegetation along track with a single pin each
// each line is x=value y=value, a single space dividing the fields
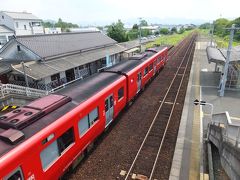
x=117 y=149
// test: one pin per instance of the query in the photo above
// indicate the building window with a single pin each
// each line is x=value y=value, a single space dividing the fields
x=56 y=148
x=16 y=24
x=145 y=71
x=25 y=27
x=120 y=93
x=55 y=77
x=87 y=121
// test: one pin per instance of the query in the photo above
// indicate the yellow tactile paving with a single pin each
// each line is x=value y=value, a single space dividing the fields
x=194 y=170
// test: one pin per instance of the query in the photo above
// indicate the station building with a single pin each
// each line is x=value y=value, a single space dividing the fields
x=51 y=60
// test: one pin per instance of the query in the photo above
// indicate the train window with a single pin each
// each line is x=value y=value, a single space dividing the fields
x=65 y=140
x=106 y=105
x=15 y=175
x=150 y=67
x=49 y=155
x=145 y=71
x=93 y=116
x=111 y=101
x=83 y=125
x=120 y=93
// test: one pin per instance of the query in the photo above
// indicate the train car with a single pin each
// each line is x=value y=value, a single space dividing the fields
x=45 y=138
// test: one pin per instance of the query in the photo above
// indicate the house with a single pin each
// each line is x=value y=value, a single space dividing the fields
x=5 y=34
x=54 y=30
x=21 y=23
x=51 y=60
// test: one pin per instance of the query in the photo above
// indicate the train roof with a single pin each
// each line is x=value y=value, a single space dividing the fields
x=127 y=65
x=77 y=92
x=82 y=90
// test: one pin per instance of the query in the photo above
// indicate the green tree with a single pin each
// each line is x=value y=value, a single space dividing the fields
x=181 y=30
x=205 y=26
x=237 y=24
x=164 y=31
x=135 y=26
x=143 y=22
x=219 y=26
x=173 y=30
x=117 y=32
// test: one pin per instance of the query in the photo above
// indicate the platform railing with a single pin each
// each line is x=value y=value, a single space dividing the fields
x=230 y=130
x=11 y=89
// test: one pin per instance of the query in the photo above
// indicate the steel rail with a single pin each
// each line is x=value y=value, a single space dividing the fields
x=160 y=107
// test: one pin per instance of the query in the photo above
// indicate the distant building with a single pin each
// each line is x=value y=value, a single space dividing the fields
x=84 y=29
x=56 y=30
x=153 y=29
x=18 y=23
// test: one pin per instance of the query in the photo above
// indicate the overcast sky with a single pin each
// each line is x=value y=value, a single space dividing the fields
x=95 y=11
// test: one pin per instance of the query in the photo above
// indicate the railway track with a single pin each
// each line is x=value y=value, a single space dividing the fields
x=150 y=155
x=116 y=150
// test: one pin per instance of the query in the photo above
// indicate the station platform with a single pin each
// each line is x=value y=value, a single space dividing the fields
x=188 y=160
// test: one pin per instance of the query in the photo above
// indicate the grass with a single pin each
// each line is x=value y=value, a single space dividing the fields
x=221 y=42
x=168 y=39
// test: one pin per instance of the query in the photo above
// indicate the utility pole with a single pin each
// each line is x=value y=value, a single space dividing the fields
x=212 y=28
x=140 y=34
x=225 y=71
x=24 y=72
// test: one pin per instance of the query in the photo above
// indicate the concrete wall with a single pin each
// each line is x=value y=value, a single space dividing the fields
x=229 y=154
x=30 y=30
x=7 y=21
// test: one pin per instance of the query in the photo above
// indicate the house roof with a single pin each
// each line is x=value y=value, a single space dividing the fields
x=5 y=29
x=216 y=55
x=50 y=46
x=39 y=70
x=4 y=68
x=21 y=15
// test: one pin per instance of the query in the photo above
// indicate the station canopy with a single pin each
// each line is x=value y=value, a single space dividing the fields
x=218 y=56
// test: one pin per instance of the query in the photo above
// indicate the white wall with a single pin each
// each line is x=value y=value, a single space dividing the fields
x=20 y=30
x=6 y=38
x=52 y=30
x=7 y=21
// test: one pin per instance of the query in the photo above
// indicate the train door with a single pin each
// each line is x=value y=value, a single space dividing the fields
x=109 y=103
x=154 y=67
x=139 y=81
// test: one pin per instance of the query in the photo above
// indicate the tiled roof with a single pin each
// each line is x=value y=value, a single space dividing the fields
x=21 y=15
x=5 y=29
x=50 y=46
x=38 y=70
x=4 y=68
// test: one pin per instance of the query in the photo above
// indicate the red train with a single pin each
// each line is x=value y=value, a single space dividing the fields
x=45 y=138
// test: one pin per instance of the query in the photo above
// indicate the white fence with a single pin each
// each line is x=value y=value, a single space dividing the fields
x=230 y=130
x=10 y=89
